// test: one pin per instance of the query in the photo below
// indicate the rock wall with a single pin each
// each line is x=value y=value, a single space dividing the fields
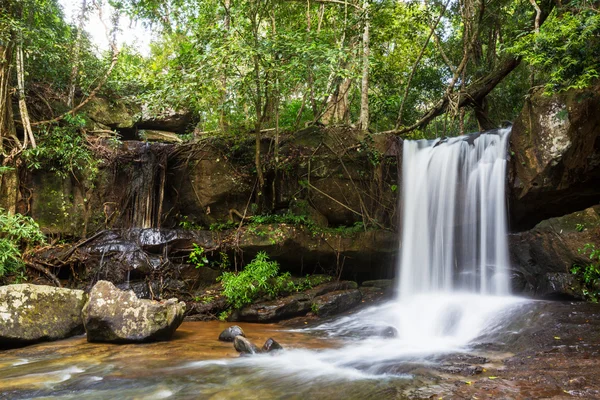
x=555 y=163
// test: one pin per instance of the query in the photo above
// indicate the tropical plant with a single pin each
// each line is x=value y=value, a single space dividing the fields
x=17 y=233
x=589 y=274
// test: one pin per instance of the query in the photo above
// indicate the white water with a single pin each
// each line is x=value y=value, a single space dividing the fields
x=454 y=216
x=453 y=284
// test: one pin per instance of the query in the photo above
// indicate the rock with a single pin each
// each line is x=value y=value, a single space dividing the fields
x=291 y=306
x=275 y=310
x=152 y=135
x=116 y=316
x=559 y=286
x=555 y=167
x=336 y=302
x=168 y=120
x=244 y=346
x=271 y=345
x=543 y=256
x=379 y=283
x=33 y=313
x=229 y=334
x=114 y=113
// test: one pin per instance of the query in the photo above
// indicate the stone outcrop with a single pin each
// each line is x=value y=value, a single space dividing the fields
x=331 y=298
x=543 y=256
x=34 y=313
x=116 y=316
x=555 y=164
x=244 y=346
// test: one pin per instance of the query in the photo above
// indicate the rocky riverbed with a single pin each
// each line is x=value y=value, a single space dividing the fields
x=543 y=350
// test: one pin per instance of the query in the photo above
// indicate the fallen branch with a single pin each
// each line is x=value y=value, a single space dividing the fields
x=45 y=271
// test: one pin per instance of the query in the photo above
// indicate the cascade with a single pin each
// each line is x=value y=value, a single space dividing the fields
x=454 y=216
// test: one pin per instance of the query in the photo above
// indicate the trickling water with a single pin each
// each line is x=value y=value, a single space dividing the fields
x=454 y=216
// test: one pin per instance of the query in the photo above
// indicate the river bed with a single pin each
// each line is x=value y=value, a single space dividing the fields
x=544 y=350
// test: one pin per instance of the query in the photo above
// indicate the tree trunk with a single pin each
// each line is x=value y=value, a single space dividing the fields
x=76 y=55
x=226 y=27
x=364 y=94
x=22 y=103
x=7 y=126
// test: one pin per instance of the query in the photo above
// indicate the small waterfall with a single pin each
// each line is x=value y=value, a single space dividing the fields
x=454 y=216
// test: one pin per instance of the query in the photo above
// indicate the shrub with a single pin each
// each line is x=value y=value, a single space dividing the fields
x=17 y=232
x=258 y=277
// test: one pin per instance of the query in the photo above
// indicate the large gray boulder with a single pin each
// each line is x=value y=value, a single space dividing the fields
x=117 y=316
x=34 y=313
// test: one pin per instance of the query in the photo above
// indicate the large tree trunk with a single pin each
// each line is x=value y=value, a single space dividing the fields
x=364 y=93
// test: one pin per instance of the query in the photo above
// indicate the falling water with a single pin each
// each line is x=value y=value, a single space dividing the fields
x=454 y=216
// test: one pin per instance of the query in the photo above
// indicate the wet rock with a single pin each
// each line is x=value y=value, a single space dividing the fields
x=229 y=334
x=244 y=346
x=555 y=167
x=336 y=302
x=559 y=286
x=275 y=310
x=116 y=316
x=299 y=304
x=378 y=331
x=543 y=256
x=33 y=313
x=379 y=283
x=271 y=345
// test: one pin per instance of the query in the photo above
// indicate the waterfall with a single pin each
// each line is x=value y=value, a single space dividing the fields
x=454 y=215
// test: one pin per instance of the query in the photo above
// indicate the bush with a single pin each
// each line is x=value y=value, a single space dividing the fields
x=17 y=232
x=260 y=277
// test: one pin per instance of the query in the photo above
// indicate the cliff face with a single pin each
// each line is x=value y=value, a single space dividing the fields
x=555 y=163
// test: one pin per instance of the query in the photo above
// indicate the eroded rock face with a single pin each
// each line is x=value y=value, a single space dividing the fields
x=113 y=315
x=543 y=256
x=555 y=163
x=33 y=313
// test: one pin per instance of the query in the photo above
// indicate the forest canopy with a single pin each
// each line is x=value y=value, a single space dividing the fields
x=420 y=68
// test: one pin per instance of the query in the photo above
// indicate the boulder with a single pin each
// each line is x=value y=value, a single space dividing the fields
x=229 y=334
x=33 y=313
x=168 y=120
x=543 y=256
x=275 y=310
x=153 y=135
x=271 y=345
x=555 y=165
x=114 y=113
x=299 y=304
x=244 y=346
x=336 y=302
x=116 y=316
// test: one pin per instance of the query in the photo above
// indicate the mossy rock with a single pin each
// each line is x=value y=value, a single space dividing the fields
x=33 y=313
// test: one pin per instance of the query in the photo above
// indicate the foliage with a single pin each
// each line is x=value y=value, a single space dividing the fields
x=567 y=49
x=198 y=257
x=65 y=151
x=256 y=278
x=17 y=232
x=589 y=274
